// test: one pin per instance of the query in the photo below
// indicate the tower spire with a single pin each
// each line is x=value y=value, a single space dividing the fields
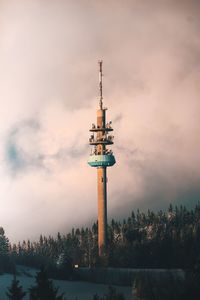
x=100 y=85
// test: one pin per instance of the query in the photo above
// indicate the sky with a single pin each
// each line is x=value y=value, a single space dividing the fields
x=49 y=52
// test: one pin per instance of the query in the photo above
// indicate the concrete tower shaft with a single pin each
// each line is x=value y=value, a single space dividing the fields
x=101 y=122
x=101 y=186
x=102 y=209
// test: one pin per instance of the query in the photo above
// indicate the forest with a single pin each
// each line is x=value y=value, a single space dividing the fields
x=169 y=239
x=163 y=239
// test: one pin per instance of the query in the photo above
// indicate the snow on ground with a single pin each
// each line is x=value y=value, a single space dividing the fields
x=73 y=289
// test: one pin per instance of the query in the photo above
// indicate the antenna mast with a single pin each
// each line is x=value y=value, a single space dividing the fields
x=100 y=85
x=101 y=158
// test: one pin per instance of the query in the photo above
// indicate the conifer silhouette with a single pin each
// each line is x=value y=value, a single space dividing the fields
x=44 y=288
x=15 y=291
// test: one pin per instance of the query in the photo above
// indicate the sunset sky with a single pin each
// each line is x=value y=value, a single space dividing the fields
x=49 y=95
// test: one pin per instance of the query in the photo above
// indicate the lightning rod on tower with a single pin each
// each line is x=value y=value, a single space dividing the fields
x=100 y=84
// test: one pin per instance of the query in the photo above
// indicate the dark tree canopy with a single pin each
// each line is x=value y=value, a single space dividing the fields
x=160 y=239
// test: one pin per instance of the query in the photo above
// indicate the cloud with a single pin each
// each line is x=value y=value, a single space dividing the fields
x=49 y=95
x=16 y=155
x=25 y=148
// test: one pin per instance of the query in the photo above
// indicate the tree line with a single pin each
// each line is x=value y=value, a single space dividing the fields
x=163 y=239
x=169 y=239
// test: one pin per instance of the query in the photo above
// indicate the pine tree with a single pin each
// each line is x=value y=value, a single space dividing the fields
x=4 y=252
x=15 y=291
x=4 y=243
x=44 y=288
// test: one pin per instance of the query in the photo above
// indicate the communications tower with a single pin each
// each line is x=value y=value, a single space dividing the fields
x=101 y=157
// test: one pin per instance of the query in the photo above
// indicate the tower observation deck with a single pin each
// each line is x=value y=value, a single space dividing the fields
x=101 y=157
